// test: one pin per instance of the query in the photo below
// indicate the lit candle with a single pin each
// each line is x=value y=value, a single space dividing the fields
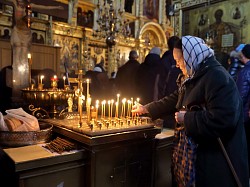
x=55 y=77
x=109 y=107
x=64 y=78
x=123 y=107
x=116 y=109
x=128 y=111
x=117 y=105
x=42 y=76
x=97 y=106
x=104 y=112
x=102 y=109
x=29 y=56
x=87 y=87
x=112 y=102
x=37 y=79
x=89 y=101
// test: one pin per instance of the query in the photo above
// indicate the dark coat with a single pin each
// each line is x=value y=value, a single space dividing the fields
x=171 y=72
x=235 y=67
x=147 y=79
x=125 y=79
x=243 y=84
x=213 y=88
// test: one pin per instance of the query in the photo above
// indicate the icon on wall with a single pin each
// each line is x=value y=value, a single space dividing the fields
x=237 y=12
x=202 y=20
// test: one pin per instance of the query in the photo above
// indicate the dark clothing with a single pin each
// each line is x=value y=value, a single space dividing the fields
x=147 y=79
x=125 y=79
x=223 y=58
x=243 y=83
x=213 y=89
x=99 y=85
x=235 y=67
x=171 y=72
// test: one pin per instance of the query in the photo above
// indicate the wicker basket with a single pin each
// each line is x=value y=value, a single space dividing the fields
x=21 y=138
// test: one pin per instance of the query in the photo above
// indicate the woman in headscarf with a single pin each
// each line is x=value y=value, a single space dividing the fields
x=207 y=108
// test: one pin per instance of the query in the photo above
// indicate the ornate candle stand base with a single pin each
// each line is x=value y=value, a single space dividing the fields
x=47 y=103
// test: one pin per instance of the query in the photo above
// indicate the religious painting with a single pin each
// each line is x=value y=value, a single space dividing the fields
x=85 y=18
x=38 y=37
x=218 y=25
x=5 y=33
x=237 y=12
x=69 y=58
x=151 y=9
x=202 y=20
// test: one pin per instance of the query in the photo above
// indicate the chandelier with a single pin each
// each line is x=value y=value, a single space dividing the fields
x=111 y=23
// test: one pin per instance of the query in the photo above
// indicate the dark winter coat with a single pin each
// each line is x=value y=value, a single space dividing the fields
x=171 y=72
x=125 y=79
x=213 y=89
x=243 y=84
x=148 y=78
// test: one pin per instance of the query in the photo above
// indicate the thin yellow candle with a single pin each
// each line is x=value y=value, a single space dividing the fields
x=97 y=106
x=117 y=106
x=104 y=112
x=116 y=109
x=38 y=79
x=89 y=101
x=87 y=87
x=123 y=107
x=102 y=109
x=128 y=111
x=42 y=76
x=112 y=102
x=109 y=107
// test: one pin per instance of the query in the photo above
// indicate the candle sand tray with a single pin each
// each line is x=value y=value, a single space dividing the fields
x=103 y=126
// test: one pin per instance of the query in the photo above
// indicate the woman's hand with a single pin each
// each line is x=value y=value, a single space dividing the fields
x=179 y=116
x=139 y=109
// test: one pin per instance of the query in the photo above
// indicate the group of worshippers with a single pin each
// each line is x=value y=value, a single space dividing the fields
x=150 y=80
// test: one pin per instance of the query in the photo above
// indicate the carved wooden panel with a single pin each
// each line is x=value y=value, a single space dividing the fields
x=42 y=56
x=5 y=54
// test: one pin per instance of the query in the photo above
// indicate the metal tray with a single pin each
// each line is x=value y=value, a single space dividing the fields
x=21 y=138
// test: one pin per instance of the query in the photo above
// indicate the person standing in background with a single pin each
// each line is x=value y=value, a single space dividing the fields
x=148 y=77
x=125 y=77
x=170 y=75
x=235 y=63
x=243 y=84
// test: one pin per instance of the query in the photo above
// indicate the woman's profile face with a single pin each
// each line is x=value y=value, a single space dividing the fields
x=180 y=63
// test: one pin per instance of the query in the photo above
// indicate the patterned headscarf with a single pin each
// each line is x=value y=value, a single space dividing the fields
x=195 y=51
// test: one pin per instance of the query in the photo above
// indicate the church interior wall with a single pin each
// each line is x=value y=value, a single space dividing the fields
x=200 y=21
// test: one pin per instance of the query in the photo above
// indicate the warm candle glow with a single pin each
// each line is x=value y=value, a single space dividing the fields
x=116 y=109
x=29 y=56
x=97 y=106
x=109 y=107
x=112 y=102
x=104 y=112
x=123 y=107
x=64 y=78
x=117 y=106
x=42 y=76
x=87 y=87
